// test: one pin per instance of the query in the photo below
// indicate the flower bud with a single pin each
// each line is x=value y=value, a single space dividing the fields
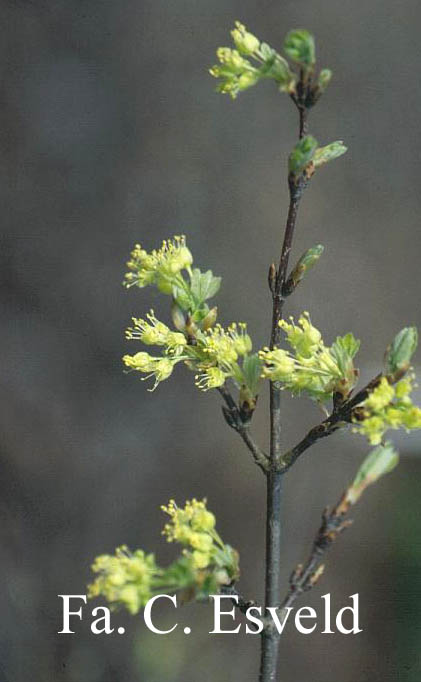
x=399 y=354
x=299 y=46
x=210 y=319
x=245 y=42
x=232 y=60
x=178 y=317
x=141 y=361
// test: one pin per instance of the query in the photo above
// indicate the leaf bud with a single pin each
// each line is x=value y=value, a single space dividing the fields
x=399 y=353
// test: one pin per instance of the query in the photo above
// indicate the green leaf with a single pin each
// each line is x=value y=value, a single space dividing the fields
x=183 y=298
x=302 y=154
x=299 y=46
x=344 y=350
x=252 y=370
x=399 y=354
x=379 y=462
x=329 y=153
x=266 y=52
x=204 y=285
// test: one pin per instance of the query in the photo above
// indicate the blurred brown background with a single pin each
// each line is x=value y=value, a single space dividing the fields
x=111 y=133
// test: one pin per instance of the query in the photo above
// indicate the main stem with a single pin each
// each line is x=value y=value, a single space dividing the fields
x=270 y=636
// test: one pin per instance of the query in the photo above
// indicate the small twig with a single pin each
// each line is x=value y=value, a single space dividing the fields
x=304 y=578
x=234 y=419
x=241 y=603
x=342 y=413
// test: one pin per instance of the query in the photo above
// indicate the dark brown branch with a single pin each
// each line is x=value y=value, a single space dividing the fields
x=342 y=414
x=270 y=637
x=306 y=576
x=234 y=419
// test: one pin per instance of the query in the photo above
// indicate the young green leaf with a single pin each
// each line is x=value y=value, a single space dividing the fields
x=204 y=285
x=329 y=153
x=399 y=354
x=302 y=154
x=379 y=462
x=252 y=370
x=183 y=298
x=299 y=46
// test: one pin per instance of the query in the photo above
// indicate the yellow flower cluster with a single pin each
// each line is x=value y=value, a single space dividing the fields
x=237 y=72
x=152 y=332
x=130 y=579
x=160 y=267
x=311 y=367
x=388 y=407
x=124 y=579
x=214 y=355
x=194 y=527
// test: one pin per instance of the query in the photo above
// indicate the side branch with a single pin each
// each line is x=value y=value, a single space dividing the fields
x=305 y=577
x=235 y=420
x=342 y=414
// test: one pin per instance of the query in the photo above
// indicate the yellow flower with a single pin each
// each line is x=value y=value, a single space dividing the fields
x=304 y=338
x=200 y=559
x=141 y=361
x=158 y=367
x=124 y=578
x=278 y=364
x=382 y=395
x=242 y=341
x=213 y=377
x=159 y=267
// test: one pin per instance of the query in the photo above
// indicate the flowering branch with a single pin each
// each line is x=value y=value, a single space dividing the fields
x=221 y=356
